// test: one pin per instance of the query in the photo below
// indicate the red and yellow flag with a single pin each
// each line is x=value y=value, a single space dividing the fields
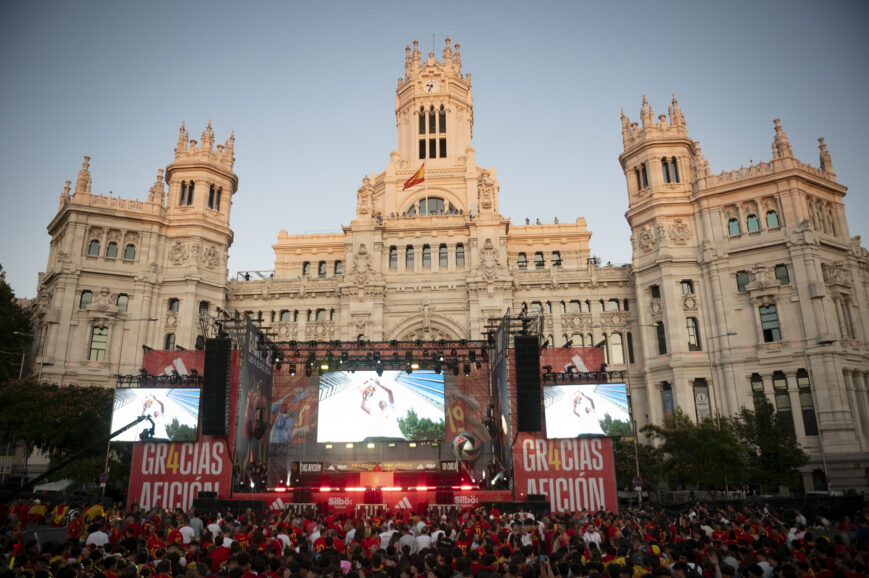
x=417 y=178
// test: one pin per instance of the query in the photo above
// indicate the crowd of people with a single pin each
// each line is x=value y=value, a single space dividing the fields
x=704 y=541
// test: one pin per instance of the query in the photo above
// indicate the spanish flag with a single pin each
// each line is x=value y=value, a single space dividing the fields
x=417 y=178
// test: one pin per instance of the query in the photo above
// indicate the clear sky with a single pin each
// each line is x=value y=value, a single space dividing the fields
x=309 y=88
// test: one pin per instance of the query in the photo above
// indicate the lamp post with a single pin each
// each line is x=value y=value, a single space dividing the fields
x=717 y=408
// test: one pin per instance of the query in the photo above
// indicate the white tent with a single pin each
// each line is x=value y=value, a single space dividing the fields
x=57 y=486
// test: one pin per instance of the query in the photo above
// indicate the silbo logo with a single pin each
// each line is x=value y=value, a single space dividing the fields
x=340 y=501
x=465 y=500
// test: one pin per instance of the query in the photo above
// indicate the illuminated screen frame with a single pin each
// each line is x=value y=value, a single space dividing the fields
x=355 y=406
x=586 y=410
x=178 y=403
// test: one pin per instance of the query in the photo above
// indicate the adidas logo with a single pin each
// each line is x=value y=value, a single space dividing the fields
x=404 y=504
x=277 y=505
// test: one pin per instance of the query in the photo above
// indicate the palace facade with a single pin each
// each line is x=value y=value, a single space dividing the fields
x=743 y=284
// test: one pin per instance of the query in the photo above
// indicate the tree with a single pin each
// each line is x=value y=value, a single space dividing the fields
x=626 y=460
x=178 y=432
x=15 y=331
x=615 y=428
x=706 y=453
x=773 y=452
x=416 y=429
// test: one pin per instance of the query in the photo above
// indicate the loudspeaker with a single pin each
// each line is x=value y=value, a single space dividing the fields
x=528 y=395
x=295 y=474
x=215 y=387
x=206 y=506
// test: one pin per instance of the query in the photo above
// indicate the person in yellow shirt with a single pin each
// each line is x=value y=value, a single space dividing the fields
x=37 y=512
x=94 y=512
x=58 y=513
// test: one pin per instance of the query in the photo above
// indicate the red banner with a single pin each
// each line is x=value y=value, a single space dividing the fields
x=171 y=475
x=573 y=474
x=397 y=502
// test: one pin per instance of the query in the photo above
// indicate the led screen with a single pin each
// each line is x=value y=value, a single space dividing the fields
x=174 y=411
x=396 y=406
x=586 y=410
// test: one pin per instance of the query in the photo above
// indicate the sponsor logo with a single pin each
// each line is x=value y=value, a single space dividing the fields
x=465 y=500
x=340 y=501
x=312 y=467
x=277 y=504
x=404 y=504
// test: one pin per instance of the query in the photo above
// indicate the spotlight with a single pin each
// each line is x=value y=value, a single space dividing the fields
x=376 y=356
x=466 y=369
x=308 y=370
x=437 y=368
x=472 y=355
x=292 y=369
x=408 y=368
x=453 y=352
x=455 y=370
x=379 y=368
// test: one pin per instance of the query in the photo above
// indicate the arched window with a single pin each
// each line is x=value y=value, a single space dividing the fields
x=807 y=403
x=783 y=402
x=693 y=334
x=427 y=206
x=733 y=227
x=174 y=305
x=752 y=223
x=575 y=306
x=99 y=340
x=522 y=261
x=94 y=248
x=203 y=308
x=130 y=252
x=212 y=193
x=285 y=316
x=186 y=198
x=442 y=257
x=771 y=220
x=617 y=351
x=563 y=307
x=432 y=129
x=556 y=259
x=665 y=169
x=426 y=256
x=393 y=257
x=321 y=269
x=169 y=342
x=182 y=198
x=460 y=255
x=123 y=302
x=687 y=287
x=217 y=199
x=539 y=263
x=306 y=269
x=741 y=281
x=408 y=258
x=86 y=298
x=112 y=250
x=339 y=267
x=190 y=189
x=781 y=273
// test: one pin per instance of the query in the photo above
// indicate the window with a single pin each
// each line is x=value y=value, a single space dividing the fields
x=642 y=177
x=741 y=281
x=339 y=268
x=112 y=250
x=575 y=306
x=86 y=298
x=655 y=292
x=426 y=256
x=733 y=227
x=670 y=170
x=771 y=220
x=427 y=206
x=617 y=351
x=306 y=269
x=613 y=305
x=442 y=257
x=99 y=339
x=94 y=248
x=843 y=311
x=782 y=401
x=460 y=255
x=752 y=223
x=408 y=258
x=693 y=334
x=203 y=308
x=432 y=133
x=630 y=347
x=321 y=269
x=200 y=343
x=285 y=316
x=186 y=193
x=556 y=259
x=536 y=307
x=123 y=302
x=322 y=315
x=393 y=257
x=769 y=323
x=169 y=343
x=217 y=199
x=781 y=273
x=662 y=338
x=807 y=403
x=212 y=193
x=539 y=263
x=130 y=252
x=626 y=305
x=665 y=169
x=522 y=261
x=174 y=305
x=667 y=398
x=563 y=307
x=687 y=287
x=757 y=388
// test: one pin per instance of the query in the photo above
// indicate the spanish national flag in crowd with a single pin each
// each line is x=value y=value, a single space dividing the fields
x=417 y=178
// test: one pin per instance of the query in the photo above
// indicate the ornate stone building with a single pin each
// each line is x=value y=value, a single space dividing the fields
x=743 y=284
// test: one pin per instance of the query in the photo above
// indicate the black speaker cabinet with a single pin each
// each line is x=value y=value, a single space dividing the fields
x=528 y=394
x=215 y=387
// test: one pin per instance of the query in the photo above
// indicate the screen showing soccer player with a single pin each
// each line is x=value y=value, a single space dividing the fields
x=174 y=413
x=394 y=406
x=586 y=410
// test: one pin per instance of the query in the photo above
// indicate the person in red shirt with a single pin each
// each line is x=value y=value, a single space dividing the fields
x=75 y=527
x=174 y=536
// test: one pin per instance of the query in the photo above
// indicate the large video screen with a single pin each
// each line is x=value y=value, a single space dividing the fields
x=174 y=411
x=395 y=406
x=599 y=409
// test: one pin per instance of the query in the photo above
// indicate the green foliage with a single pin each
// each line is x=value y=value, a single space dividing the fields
x=626 y=459
x=615 y=428
x=773 y=453
x=178 y=432
x=15 y=330
x=415 y=429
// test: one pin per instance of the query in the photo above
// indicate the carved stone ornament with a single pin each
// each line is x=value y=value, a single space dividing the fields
x=655 y=306
x=210 y=258
x=486 y=191
x=689 y=303
x=646 y=239
x=171 y=320
x=103 y=301
x=287 y=331
x=178 y=253
x=362 y=266
x=365 y=198
x=679 y=232
x=489 y=260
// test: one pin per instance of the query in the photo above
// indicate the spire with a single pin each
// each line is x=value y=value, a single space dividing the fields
x=781 y=147
x=408 y=62
x=676 y=116
x=448 y=54
x=64 y=196
x=157 y=193
x=647 y=115
x=207 y=138
x=457 y=61
x=701 y=165
x=83 y=182
x=415 y=54
x=826 y=161
x=182 y=140
x=626 y=129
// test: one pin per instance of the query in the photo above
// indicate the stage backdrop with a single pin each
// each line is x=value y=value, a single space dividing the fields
x=574 y=474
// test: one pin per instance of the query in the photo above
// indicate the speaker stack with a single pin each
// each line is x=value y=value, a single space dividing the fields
x=528 y=394
x=215 y=387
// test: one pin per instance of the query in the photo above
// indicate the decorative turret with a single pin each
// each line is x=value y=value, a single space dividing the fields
x=157 y=193
x=675 y=126
x=701 y=165
x=826 y=161
x=187 y=148
x=64 y=196
x=781 y=146
x=83 y=182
